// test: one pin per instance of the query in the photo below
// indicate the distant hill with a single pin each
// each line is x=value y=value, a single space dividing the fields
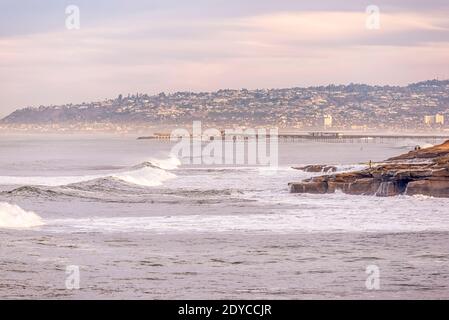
x=349 y=105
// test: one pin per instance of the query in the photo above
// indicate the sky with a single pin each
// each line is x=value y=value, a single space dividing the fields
x=129 y=46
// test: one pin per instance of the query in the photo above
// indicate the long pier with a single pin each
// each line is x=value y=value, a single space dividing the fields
x=328 y=137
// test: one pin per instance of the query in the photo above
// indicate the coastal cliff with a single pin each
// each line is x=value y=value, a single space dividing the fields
x=424 y=171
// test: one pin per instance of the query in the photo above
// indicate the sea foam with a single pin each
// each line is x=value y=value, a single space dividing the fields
x=148 y=174
x=167 y=164
x=12 y=216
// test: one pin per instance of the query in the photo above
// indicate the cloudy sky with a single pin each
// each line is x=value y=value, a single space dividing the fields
x=128 y=46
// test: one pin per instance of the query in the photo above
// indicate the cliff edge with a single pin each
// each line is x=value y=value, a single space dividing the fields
x=424 y=171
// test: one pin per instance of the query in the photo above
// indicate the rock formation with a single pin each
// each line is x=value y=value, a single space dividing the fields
x=317 y=168
x=424 y=171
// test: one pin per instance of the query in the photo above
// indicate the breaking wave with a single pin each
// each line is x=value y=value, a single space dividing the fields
x=167 y=164
x=12 y=216
x=117 y=191
x=148 y=174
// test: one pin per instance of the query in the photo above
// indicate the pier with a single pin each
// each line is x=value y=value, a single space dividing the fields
x=328 y=137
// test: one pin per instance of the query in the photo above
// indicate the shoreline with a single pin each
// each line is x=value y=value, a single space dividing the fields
x=422 y=171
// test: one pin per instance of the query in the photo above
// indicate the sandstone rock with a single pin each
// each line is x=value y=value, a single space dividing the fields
x=421 y=173
x=444 y=172
x=364 y=186
x=309 y=187
x=428 y=153
x=434 y=188
x=398 y=175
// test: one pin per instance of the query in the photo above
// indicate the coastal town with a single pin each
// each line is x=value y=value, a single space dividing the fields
x=418 y=107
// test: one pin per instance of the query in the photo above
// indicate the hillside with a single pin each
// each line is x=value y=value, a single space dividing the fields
x=353 y=105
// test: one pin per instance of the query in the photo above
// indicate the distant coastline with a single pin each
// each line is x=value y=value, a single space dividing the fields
x=418 y=107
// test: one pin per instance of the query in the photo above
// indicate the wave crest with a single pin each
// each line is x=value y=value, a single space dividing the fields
x=167 y=164
x=148 y=174
x=12 y=216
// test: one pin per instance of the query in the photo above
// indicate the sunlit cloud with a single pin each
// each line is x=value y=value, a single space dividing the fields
x=151 y=52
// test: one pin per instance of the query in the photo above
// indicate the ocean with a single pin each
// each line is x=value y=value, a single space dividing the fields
x=136 y=221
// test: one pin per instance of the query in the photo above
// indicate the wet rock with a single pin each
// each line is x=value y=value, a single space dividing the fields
x=391 y=188
x=404 y=174
x=309 y=187
x=364 y=186
x=317 y=168
x=434 y=188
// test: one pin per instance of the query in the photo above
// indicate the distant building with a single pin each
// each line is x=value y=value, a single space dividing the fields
x=327 y=121
x=436 y=119
x=429 y=119
x=359 y=127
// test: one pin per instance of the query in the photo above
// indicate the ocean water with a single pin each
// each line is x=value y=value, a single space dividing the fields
x=140 y=223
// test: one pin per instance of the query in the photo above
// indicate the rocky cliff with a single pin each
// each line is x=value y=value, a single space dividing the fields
x=424 y=171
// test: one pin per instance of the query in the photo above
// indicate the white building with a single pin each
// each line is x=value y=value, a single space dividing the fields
x=327 y=121
x=434 y=119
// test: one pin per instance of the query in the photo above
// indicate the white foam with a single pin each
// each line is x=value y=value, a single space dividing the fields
x=291 y=221
x=146 y=176
x=12 y=216
x=351 y=167
x=168 y=164
x=299 y=213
